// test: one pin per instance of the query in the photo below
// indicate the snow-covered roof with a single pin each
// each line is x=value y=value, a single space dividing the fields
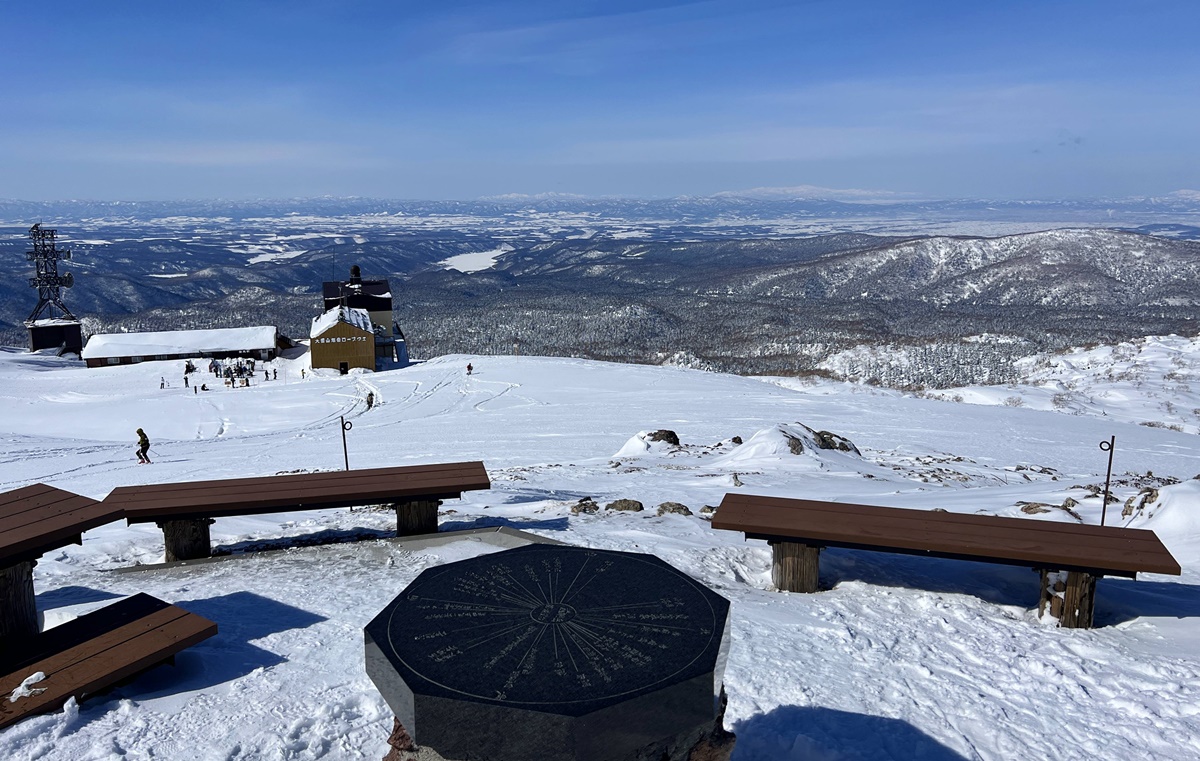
x=356 y=317
x=179 y=342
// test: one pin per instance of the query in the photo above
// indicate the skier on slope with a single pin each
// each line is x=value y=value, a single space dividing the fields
x=469 y=368
x=143 y=447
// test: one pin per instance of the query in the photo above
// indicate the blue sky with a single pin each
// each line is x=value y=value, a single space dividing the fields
x=1008 y=99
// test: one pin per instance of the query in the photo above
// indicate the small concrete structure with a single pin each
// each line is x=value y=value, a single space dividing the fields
x=554 y=653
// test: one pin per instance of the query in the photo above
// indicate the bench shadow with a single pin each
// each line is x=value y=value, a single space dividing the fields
x=992 y=582
x=549 y=524
x=315 y=539
x=73 y=595
x=804 y=733
x=1121 y=600
x=241 y=618
x=1117 y=600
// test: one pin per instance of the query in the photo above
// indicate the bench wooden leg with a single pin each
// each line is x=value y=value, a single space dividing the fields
x=417 y=517
x=794 y=566
x=187 y=539
x=18 y=609
x=1070 y=596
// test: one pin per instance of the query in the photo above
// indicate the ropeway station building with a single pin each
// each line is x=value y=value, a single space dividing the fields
x=357 y=328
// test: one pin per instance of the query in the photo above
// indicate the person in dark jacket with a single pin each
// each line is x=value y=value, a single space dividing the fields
x=143 y=447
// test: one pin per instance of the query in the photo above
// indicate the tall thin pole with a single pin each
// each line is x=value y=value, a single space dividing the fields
x=1109 y=447
x=346 y=425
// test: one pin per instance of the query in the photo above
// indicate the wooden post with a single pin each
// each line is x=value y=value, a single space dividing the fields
x=1070 y=597
x=417 y=517
x=18 y=609
x=795 y=567
x=187 y=539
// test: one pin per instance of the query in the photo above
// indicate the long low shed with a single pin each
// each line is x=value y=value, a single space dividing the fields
x=185 y=510
x=797 y=529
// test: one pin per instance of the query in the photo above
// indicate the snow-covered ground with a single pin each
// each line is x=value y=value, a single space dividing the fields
x=1153 y=381
x=900 y=658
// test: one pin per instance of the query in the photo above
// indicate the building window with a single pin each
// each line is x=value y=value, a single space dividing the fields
x=136 y=359
x=113 y=360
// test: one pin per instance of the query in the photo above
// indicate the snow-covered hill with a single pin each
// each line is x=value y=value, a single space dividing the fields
x=899 y=658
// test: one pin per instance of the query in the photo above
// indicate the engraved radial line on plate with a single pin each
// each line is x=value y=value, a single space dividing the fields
x=518 y=600
x=581 y=588
x=583 y=636
x=624 y=607
x=591 y=637
x=568 y=637
x=501 y=633
x=538 y=600
x=594 y=621
x=567 y=647
x=585 y=562
x=536 y=640
x=554 y=632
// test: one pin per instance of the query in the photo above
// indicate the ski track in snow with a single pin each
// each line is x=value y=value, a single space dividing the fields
x=897 y=658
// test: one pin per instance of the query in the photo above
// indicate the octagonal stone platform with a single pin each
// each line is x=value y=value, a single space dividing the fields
x=554 y=653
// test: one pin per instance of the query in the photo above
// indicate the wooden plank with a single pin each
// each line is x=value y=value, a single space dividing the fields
x=81 y=506
x=932 y=527
x=971 y=519
x=92 y=665
x=305 y=491
x=79 y=630
x=991 y=538
x=38 y=518
x=32 y=492
x=804 y=512
x=301 y=480
x=313 y=494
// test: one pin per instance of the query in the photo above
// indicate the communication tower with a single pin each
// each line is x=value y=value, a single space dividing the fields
x=51 y=324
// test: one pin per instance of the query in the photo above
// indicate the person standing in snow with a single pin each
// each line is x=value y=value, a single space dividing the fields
x=370 y=399
x=162 y=382
x=143 y=447
x=185 y=381
x=469 y=368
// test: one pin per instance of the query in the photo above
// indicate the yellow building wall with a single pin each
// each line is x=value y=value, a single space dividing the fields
x=343 y=343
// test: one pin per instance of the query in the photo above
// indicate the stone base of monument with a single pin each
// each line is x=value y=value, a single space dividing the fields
x=710 y=742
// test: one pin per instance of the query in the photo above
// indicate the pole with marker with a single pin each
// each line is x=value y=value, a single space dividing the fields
x=1107 y=446
x=346 y=425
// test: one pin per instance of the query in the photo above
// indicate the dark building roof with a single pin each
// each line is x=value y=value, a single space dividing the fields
x=371 y=295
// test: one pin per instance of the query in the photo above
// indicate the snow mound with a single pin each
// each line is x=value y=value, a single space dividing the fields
x=1175 y=518
x=646 y=443
x=819 y=449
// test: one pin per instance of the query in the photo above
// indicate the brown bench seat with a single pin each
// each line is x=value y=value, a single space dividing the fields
x=1070 y=556
x=185 y=510
x=96 y=651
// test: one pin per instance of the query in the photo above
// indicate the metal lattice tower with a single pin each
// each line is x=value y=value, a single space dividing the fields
x=49 y=283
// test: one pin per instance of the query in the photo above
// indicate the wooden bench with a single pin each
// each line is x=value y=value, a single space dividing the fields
x=34 y=520
x=1069 y=556
x=185 y=510
x=95 y=652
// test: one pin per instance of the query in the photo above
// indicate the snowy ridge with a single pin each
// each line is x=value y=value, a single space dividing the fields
x=898 y=657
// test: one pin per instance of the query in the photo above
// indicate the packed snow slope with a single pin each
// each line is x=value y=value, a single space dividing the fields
x=897 y=658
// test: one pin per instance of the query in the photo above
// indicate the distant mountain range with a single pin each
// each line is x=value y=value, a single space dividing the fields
x=630 y=281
